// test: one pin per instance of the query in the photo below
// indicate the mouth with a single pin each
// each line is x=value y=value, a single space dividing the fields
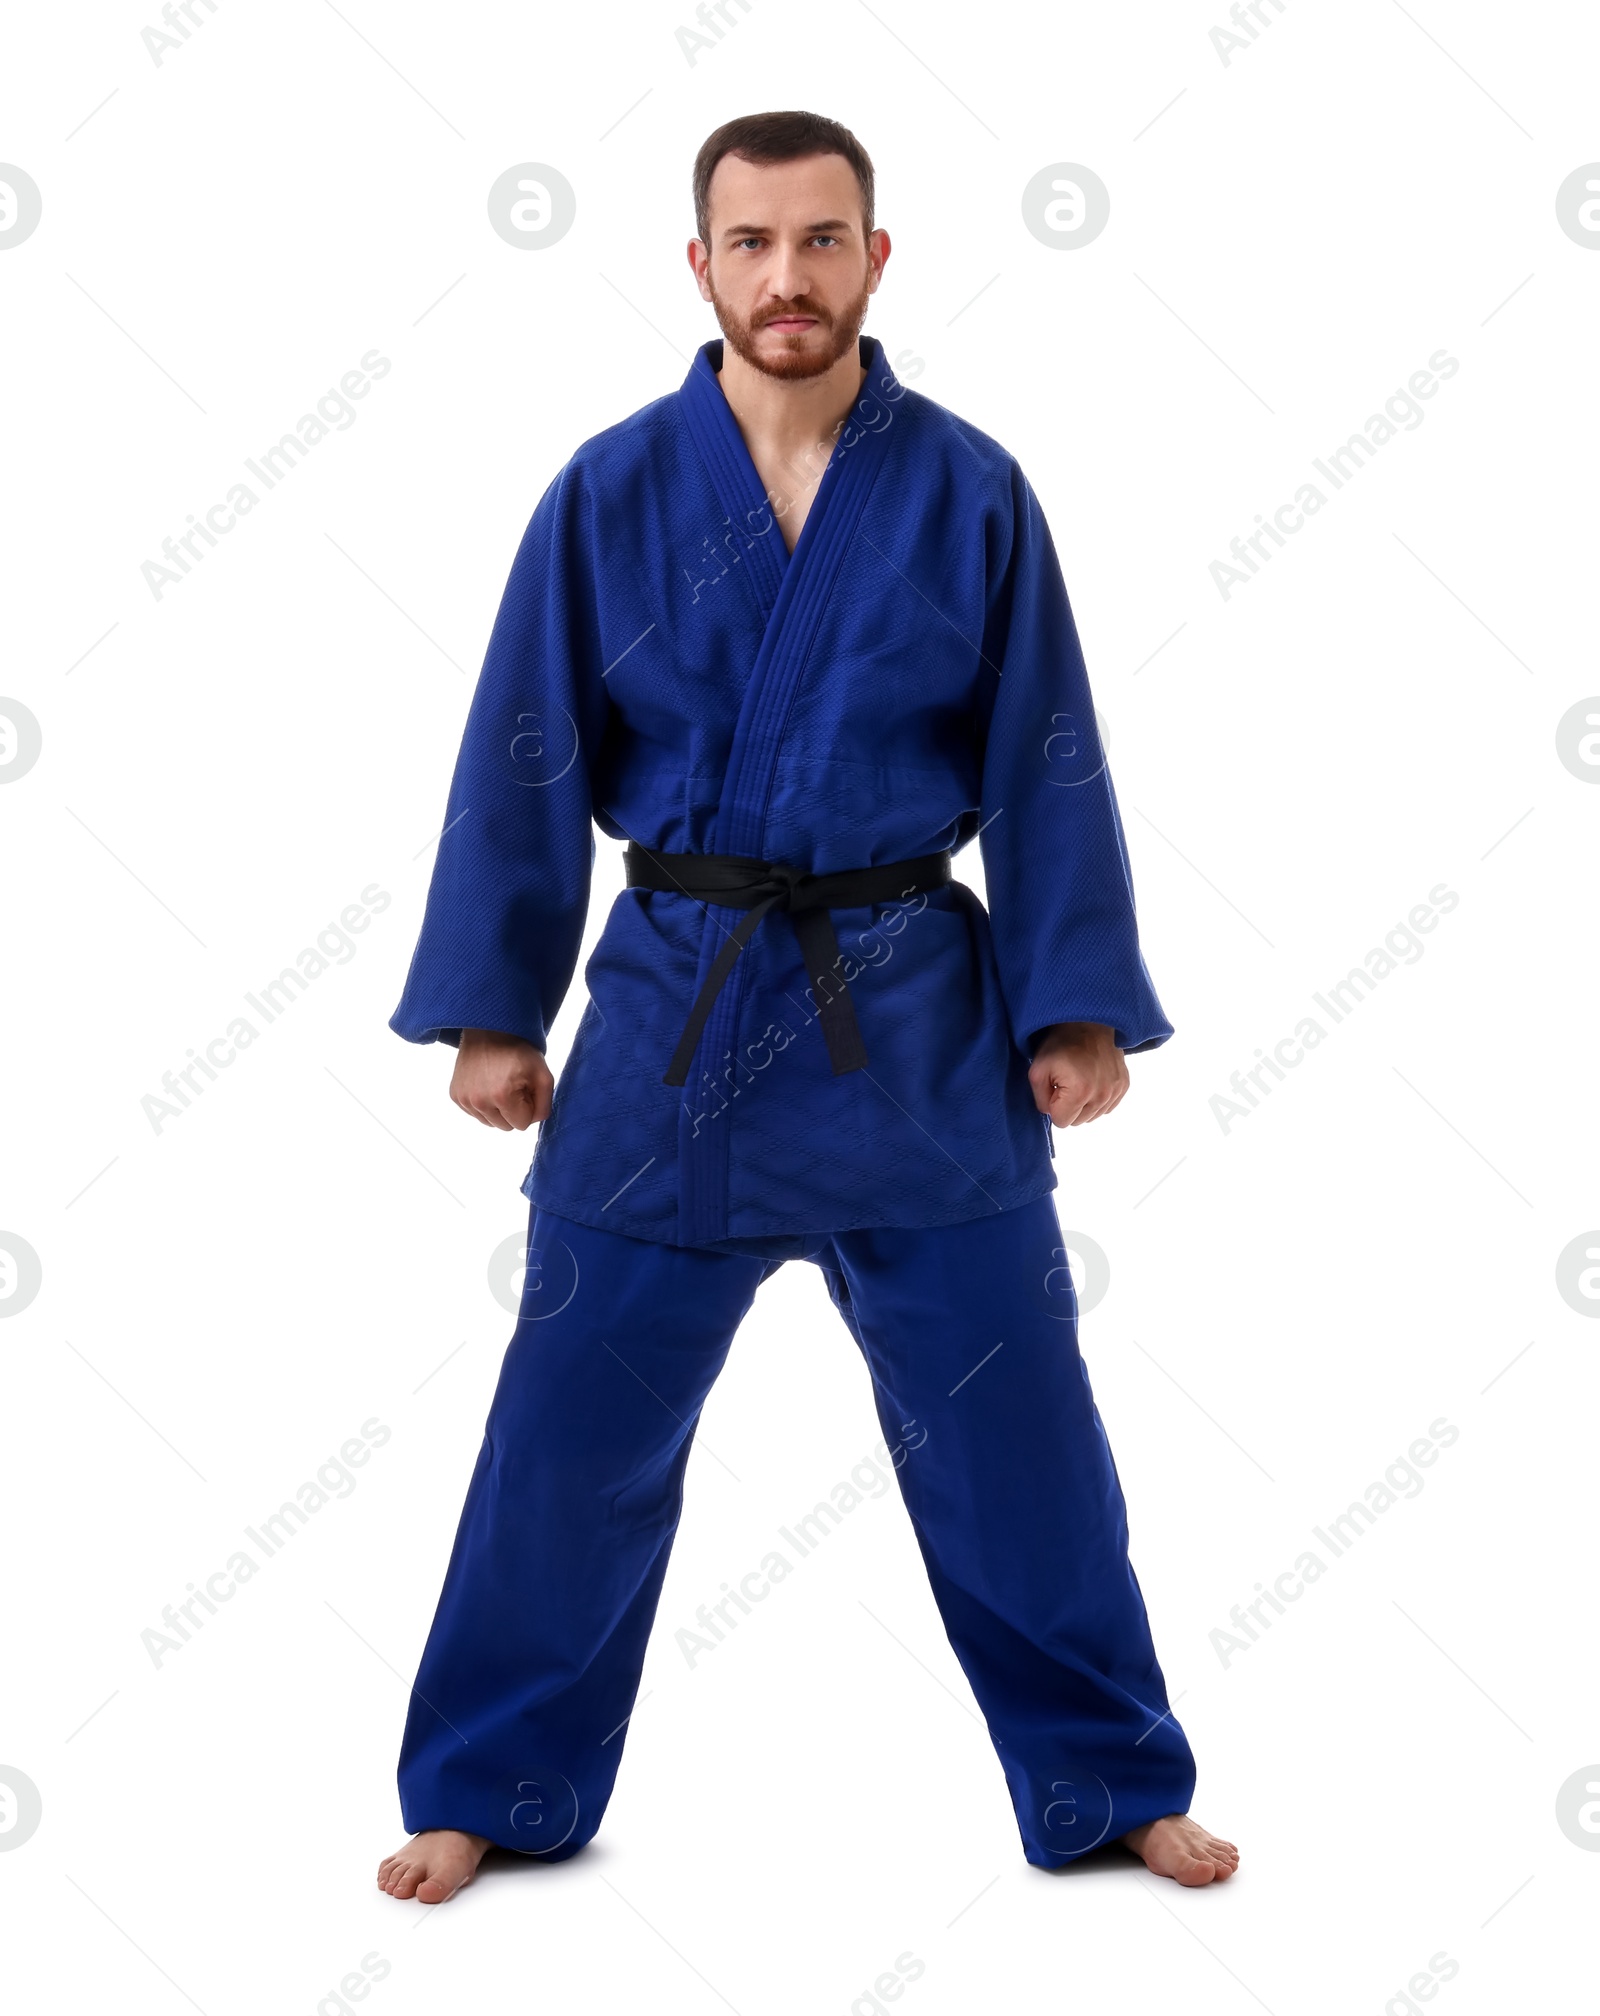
x=791 y=325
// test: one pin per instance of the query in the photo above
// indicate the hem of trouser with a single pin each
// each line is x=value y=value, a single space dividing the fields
x=417 y=1821
x=1142 y=1812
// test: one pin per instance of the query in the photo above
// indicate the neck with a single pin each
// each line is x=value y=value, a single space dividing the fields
x=790 y=415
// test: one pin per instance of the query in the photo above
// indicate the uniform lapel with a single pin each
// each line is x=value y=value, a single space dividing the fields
x=794 y=588
x=793 y=591
x=753 y=534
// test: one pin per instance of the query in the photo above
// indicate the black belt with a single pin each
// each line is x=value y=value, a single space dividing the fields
x=739 y=883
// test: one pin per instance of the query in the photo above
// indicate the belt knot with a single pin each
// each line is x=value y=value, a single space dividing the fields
x=758 y=888
x=790 y=886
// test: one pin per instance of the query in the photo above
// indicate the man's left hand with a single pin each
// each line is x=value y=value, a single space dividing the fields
x=1077 y=1072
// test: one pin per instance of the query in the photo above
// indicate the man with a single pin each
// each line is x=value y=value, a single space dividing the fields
x=794 y=633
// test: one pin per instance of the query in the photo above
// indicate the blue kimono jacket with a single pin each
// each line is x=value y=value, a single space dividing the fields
x=909 y=679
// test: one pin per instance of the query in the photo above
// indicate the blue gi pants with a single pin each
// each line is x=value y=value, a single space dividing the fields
x=517 y=1721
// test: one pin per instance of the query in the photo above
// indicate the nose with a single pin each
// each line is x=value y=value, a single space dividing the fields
x=786 y=278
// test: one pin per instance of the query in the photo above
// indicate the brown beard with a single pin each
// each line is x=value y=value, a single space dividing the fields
x=842 y=332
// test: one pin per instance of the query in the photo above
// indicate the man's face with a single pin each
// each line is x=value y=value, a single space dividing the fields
x=790 y=268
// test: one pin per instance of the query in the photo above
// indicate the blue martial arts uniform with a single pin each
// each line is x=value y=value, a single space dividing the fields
x=522 y=1701
x=907 y=680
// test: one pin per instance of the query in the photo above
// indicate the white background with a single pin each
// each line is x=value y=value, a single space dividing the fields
x=1292 y=1301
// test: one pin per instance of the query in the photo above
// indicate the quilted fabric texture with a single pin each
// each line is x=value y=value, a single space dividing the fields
x=909 y=679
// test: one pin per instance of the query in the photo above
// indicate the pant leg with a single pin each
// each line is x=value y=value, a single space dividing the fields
x=970 y=1334
x=517 y=1721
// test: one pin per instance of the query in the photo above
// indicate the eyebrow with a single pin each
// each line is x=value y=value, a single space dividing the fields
x=755 y=230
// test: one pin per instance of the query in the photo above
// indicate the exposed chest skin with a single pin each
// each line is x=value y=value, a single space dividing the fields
x=790 y=503
x=790 y=472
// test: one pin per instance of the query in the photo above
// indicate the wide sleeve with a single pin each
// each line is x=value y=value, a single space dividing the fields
x=510 y=887
x=1055 y=859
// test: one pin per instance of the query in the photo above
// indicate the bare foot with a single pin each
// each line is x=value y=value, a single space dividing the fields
x=1181 y=1848
x=433 y=1865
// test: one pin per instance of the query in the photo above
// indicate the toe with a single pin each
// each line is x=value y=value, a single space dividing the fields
x=431 y=1891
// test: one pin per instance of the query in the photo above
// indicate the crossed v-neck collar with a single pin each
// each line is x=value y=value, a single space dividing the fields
x=791 y=591
x=733 y=470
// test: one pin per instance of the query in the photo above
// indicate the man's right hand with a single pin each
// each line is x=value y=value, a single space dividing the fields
x=501 y=1080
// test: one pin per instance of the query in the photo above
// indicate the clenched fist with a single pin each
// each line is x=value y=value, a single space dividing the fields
x=1077 y=1072
x=501 y=1080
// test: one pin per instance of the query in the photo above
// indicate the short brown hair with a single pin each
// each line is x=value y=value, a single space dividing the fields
x=764 y=137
